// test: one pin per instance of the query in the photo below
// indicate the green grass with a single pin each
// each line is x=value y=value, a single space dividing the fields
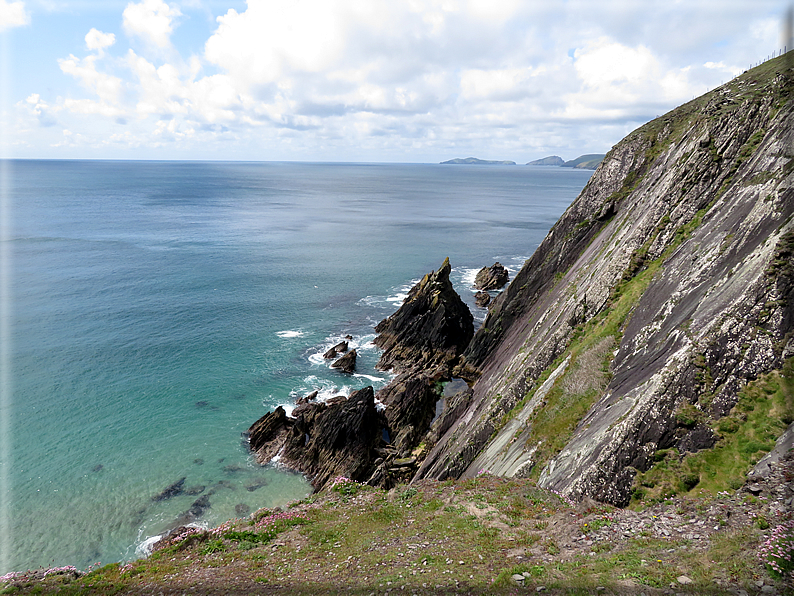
x=763 y=411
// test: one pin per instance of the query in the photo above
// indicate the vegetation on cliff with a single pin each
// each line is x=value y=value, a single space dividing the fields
x=485 y=535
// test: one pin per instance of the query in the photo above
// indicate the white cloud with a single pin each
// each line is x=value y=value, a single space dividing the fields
x=12 y=14
x=151 y=20
x=340 y=78
x=97 y=40
x=106 y=87
x=39 y=108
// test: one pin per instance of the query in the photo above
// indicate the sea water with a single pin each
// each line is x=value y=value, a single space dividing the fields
x=160 y=308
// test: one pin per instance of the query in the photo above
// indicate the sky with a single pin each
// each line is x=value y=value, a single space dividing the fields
x=360 y=80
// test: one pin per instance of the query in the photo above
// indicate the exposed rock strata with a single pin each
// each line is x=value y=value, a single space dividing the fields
x=323 y=441
x=693 y=212
x=431 y=328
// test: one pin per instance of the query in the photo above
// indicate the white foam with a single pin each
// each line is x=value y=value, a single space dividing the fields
x=369 y=378
x=290 y=333
x=365 y=342
x=288 y=408
x=362 y=343
x=326 y=389
x=144 y=549
x=467 y=276
x=396 y=296
x=277 y=458
x=317 y=358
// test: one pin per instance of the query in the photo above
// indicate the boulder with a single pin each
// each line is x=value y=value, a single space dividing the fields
x=494 y=277
x=431 y=328
x=346 y=363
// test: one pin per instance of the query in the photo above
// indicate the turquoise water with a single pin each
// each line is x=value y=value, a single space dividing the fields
x=160 y=308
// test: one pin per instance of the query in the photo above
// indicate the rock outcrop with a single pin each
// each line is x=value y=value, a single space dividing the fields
x=348 y=436
x=323 y=441
x=627 y=338
x=494 y=277
x=430 y=329
x=334 y=351
x=482 y=299
x=346 y=363
x=664 y=289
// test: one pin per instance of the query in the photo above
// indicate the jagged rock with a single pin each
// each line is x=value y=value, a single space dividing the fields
x=308 y=398
x=701 y=437
x=346 y=363
x=267 y=435
x=171 y=490
x=410 y=400
x=325 y=440
x=339 y=348
x=491 y=278
x=482 y=299
x=303 y=402
x=431 y=328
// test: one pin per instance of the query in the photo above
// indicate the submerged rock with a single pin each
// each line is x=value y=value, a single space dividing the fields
x=491 y=278
x=171 y=490
x=195 y=490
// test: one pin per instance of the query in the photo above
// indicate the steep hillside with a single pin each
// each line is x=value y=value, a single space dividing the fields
x=626 y=341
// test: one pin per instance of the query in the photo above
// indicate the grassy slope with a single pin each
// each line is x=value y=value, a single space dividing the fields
x=466 y=537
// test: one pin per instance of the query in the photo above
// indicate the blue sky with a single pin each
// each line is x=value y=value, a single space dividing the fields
x=359 y=80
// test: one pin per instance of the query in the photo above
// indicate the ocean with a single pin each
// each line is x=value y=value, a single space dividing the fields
x=158 y=309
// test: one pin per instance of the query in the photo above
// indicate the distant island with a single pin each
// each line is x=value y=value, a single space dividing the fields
x=479 y=162
x=552 y=160
x=583 y=162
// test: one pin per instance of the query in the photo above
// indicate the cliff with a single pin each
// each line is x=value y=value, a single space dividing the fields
x=625 y=343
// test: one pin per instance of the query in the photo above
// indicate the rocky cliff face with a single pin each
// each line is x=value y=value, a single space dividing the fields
x=662 y=291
